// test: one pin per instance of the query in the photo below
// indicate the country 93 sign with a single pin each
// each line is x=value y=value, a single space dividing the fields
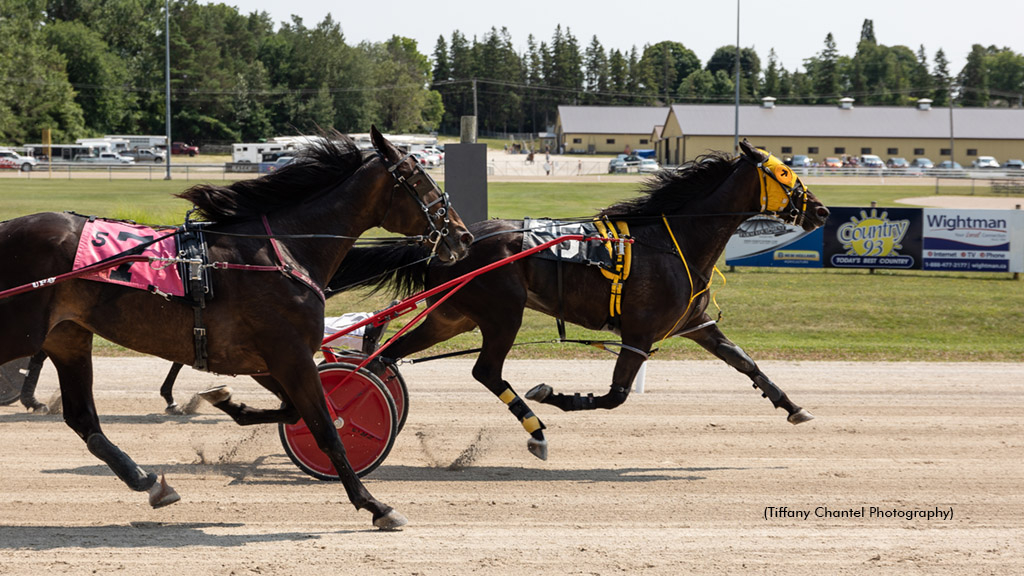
x=873 y=238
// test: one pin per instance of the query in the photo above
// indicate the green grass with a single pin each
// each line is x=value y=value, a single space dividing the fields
x=785 y=314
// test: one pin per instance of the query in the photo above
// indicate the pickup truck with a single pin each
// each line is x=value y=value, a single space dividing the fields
x=105 y=158
x=13 y=160
x=146 y=154
x=182 y=148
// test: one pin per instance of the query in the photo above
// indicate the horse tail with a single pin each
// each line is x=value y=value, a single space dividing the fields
x=400 y=269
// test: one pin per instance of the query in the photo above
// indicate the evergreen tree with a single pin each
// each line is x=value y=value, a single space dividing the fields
x=772 y=82
x=597 y=71
x=941 y=80
x=920 y=78
x=826 y=72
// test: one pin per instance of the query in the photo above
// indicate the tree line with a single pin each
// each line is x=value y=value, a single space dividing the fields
x=91 y=67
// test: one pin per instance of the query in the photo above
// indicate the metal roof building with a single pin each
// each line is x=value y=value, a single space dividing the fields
x=607 y=129
x=822 y=131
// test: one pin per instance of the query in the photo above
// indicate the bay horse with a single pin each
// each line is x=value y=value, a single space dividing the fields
x=298 y=222
x=679 y=230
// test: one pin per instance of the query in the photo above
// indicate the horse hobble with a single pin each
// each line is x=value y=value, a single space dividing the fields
x=298 y=222
x=679 y=228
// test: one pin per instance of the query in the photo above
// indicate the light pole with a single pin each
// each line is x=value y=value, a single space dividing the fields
x=736 y=134
x=167 y=78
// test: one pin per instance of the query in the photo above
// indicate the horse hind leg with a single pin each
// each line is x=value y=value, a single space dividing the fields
x=28 y=387
x=221 y=398
x=70 y=349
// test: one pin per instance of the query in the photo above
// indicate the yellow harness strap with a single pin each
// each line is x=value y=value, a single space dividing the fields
x=622 y=256
x=693 y=295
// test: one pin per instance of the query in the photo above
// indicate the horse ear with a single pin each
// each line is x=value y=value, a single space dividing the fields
x=750 y=151
x=382 y=145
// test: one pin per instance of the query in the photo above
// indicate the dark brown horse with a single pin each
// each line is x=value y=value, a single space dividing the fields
x=680 y=228
x=267 y=325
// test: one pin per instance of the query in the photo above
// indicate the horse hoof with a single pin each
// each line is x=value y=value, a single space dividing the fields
x=393 y=520
x=161 y=494
x=40 y=409
x=173 y=409
x=538 y=448
x=800 y=417
x=540 y=392
x=217 y=394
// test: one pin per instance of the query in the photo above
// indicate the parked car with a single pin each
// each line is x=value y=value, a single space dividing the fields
x=833 y=162
x=897 y=162
x=106 y=158
x=949 y=166
x=648 y=166
x=1014 y=165
x=426 y=160
x=871 y=161
x=435 y=152
x=9 y=159
x=622 y=163
x=801 y=161
x=182 y=148
x=985 y=162
x=922 y=163
x=146 y=155
x=281 y=162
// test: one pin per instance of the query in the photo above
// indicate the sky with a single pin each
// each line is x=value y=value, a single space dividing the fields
x=795 y=29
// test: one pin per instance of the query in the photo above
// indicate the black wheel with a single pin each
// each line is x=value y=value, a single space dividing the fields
x=26 y=167
x=12 y=378
x=364 y=414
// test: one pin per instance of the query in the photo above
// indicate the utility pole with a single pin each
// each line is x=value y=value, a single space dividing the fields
x=167 y=77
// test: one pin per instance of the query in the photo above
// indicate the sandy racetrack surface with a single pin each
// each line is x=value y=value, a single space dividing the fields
x=681 y=479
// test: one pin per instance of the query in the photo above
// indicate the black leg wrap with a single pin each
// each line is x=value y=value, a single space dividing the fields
x=769 y=389
x=577 y=402
x=523 y=413
x=126 y=469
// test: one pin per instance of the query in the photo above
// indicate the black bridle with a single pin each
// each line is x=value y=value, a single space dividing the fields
x=418 y=185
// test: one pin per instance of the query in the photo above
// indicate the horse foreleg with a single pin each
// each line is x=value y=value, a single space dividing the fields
x=713 y=340
x=220 y=398
x=70 y=348
x=302 y=386
x=626 y=368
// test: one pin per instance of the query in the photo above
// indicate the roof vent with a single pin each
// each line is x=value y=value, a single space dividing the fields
x=767 y=102
x=846 y=103
x=924 y=104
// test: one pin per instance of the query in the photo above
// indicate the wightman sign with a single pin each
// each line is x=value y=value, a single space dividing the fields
x=941 y=239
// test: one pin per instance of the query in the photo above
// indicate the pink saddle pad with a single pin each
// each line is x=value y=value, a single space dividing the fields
x=102 y=239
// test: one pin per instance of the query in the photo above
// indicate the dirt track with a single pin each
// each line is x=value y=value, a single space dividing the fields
x=676 y=481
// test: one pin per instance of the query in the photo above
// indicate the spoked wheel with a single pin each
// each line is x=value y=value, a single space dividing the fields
x=12 y=378
x=364 y=414
x=392 y=379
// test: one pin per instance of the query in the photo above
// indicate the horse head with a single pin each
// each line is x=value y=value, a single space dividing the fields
x=782 y=193
x=419 y=196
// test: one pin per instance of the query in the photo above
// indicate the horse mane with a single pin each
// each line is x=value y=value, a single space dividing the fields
x=316 y=169
x=669 y=191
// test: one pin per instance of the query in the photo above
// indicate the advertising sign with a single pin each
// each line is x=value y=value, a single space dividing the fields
x=873 y=238
x=967 y=240
x=941 y=239
x=764 y=241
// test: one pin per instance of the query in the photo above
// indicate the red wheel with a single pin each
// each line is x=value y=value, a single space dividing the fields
x=392 y=380
x=365 y=415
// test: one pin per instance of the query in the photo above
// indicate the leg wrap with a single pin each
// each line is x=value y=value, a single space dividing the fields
x=127 y=470
x=520 y=410
x=769 y=390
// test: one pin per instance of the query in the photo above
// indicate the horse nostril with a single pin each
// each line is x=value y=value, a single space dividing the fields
x=823 y=212
x=466 y=239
